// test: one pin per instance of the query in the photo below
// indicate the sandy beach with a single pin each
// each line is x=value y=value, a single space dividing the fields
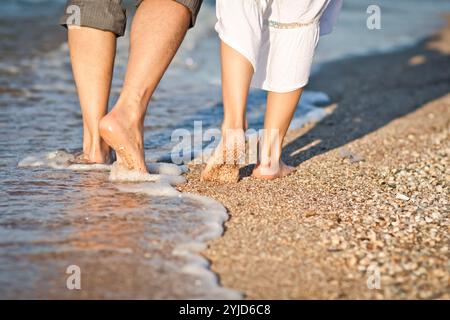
x=369 y=197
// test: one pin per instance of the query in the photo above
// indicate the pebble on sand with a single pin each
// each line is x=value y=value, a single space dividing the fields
x=401 y=196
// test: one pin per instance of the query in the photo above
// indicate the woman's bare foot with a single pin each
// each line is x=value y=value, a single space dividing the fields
x=220 y=172
x=267 y=173
x=124 y=134
x=223 y=166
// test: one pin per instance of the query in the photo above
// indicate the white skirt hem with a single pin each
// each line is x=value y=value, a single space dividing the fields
x=237 y=48
x=270 y=88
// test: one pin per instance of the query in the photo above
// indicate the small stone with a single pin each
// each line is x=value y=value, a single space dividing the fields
x=401 y=196
x=310 y=213
x=352 y=261
x=439 y=273
x=425 y=294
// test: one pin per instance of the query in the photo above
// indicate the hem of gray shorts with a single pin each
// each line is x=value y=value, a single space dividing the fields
x=192 y=5
x=95 y=14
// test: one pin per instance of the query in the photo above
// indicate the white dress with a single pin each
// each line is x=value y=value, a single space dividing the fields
x=278 y=37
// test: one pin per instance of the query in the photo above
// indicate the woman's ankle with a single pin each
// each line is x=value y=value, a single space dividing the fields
x=230 y=124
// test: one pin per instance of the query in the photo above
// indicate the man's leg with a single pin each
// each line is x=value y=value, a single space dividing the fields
x=92 y=53
x=158 y=29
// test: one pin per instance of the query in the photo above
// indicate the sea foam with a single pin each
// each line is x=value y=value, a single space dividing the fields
x=160 y=182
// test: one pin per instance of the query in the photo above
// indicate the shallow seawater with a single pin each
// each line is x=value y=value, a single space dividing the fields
x=130 y=240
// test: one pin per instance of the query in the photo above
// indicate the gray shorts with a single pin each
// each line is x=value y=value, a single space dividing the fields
x=109 y=15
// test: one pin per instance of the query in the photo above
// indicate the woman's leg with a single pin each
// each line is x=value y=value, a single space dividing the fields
x=92 y=53
x=237 y=73
x=279 y=113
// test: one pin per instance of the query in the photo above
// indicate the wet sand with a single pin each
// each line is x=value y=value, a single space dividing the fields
x=369 y=197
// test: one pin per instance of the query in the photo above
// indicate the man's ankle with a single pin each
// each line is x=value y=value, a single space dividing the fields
x=132 y=108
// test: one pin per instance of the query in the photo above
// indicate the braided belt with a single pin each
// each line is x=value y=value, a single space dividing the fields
x=290 y=25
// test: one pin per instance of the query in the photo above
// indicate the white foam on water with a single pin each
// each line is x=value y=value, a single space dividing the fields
x=56 y=159
x=214 y=216
x=313 y=116
x=166 y=168
x=186 y=248
x=89 y=167
x=60 y=160
x=63 y=159
x=149 y=188
x=165 y=173
x=314 y=98
x=160 y=183
x=312 y=113
x=121 y=174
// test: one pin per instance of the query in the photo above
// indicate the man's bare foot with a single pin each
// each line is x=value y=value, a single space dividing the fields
x=223 y=166
x=125 y=136
x=81 y=158
x=267 y=173
x=100 y=155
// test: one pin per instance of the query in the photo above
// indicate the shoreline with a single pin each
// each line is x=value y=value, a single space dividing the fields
x=368 y=195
